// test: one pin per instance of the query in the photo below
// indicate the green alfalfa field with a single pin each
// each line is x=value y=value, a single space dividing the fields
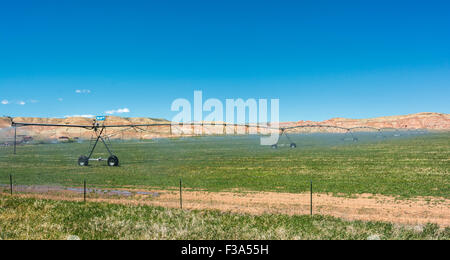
x=406 y=166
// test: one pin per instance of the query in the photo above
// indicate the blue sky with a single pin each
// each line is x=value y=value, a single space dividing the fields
x=322 y=59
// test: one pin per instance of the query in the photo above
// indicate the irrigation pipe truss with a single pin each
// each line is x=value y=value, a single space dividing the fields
x=100 y=135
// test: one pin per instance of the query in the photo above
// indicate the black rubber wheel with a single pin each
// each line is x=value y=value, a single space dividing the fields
x=274 y=146
x=293 y=145
x=83 y=161
x=113 y=161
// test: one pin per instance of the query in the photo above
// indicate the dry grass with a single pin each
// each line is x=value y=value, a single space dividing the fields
x=24 y=218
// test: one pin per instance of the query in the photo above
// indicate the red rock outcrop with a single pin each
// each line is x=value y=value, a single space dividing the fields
x=428 y=121
x=434 y=121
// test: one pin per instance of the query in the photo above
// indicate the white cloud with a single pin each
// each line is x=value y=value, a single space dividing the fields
x=22 y=103
x=118 y=111
x=82 y=91
x=86 y=116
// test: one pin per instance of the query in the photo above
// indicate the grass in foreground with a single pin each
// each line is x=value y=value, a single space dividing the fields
x=22 y=218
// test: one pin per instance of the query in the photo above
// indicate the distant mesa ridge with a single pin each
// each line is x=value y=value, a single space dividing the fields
x=426 y=121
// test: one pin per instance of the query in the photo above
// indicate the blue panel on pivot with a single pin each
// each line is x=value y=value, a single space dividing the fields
x=100 y=118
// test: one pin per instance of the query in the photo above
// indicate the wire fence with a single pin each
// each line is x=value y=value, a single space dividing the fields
x=366 y=207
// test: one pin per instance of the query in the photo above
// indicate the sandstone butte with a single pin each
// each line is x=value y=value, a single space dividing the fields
x=425 y=121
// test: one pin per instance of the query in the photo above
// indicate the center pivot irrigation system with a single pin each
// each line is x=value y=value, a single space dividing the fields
x=348 y=131
x=99 y=129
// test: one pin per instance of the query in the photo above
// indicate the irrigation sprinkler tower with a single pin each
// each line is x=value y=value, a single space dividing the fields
x=113 y=160
x=99 y=132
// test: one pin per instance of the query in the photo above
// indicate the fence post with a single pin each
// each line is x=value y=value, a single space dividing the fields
x=181 y=196
x=84 y=193
x=311 y=200
x=10 y=184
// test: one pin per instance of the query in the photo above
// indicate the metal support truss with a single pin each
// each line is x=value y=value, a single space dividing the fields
x=112 y=160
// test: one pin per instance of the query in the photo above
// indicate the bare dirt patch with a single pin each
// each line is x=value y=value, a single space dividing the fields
x=362 y=207
x=366 y=207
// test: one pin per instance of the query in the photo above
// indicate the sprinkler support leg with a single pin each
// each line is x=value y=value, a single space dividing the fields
x=15 y=138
